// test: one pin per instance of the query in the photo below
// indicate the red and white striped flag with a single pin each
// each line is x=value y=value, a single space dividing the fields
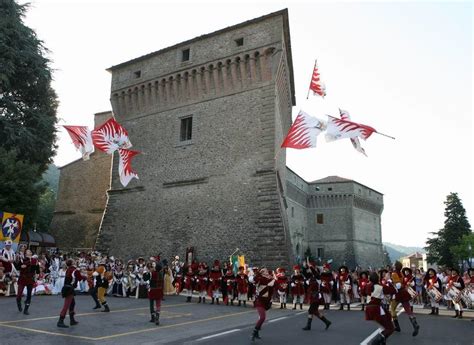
x=110 y=137
x=126 y=172
x=343 y=128
x=303 y=132
x=355 y=141
x=82 y=139
x=316 y=85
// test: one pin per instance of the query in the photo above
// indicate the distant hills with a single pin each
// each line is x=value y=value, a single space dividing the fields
x=396 y=251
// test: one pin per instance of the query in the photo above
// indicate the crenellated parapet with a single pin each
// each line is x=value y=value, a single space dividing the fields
x=197 y=83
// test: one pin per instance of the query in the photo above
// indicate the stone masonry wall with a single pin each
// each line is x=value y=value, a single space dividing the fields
x=221 y=190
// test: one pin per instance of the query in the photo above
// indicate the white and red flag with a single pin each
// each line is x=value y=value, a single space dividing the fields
x=303 y=132
x=344 y=128
x=110 y=137
x=126 y=172
x=316 y=85
x=355 y=141
x=82 y=139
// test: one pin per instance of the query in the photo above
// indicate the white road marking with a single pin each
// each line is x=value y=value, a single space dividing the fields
x=303 y=312
x=218 y=334
x=377 y=331
x=278 y=319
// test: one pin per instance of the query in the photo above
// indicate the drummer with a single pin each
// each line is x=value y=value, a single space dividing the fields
x=455 y=281
x=433 y=288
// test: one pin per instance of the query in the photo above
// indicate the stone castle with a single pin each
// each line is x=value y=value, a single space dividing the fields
x=209 y=115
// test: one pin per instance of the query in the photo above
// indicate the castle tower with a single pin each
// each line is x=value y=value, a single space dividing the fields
x=337 y=218
x=208 y=115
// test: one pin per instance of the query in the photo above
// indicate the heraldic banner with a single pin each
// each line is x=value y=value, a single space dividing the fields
x=11 y=228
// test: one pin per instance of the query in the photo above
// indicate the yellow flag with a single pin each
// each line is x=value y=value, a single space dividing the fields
x=241 y=260
x=11 y=226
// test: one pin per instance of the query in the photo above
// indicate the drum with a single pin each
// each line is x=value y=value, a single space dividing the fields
x=412 y=292
x=454 y=293
x=435 y=294
x=467 y=296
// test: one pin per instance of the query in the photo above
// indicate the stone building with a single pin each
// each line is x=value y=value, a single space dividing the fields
x=209 y=115
x=82 y=196
x=337 y=218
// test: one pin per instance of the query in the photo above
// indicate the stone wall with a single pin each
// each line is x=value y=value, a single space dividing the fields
x=223 y=188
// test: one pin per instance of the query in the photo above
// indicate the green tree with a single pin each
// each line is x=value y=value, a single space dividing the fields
x=27 y=113
x=464 y=251
x=456 y=225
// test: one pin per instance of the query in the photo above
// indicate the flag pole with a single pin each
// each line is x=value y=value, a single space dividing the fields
x=385 y=135
x=309 y=88
x=277 y=153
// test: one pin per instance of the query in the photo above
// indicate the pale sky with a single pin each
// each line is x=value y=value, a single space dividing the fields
x=403 y=68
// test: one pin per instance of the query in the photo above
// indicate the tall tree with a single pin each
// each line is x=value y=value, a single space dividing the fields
x=440 y=248
x=27 y=112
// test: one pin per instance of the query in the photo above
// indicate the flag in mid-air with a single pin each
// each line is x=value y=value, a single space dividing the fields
x=110 y=137
x=355 y=141
x=316 y=85
x=343 y=128
x=126 y=172
x=82 y=139
x=303 y=132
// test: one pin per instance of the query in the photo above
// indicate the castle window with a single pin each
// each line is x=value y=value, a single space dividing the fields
x=239 y=42
x=186 y=131
x=317 y=189
x=320 y=253
x=319 y=218
x=137 y=74
x=293 y=212
x=330 y=189
x=185 y=54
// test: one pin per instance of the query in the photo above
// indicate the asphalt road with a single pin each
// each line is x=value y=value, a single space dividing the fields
x=192 y=323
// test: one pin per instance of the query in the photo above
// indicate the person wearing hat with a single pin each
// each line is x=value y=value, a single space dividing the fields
x=374 y=311
x=215 y=279
x=409 y=282
x=315 y=297
x=402 y=297
x=155 y=293
x=455 y=280
x=344 y=287
x=228 y=287
x=433 y=288
x=282 y=286
x=242 y=283
x=202 y=279
x=264 y=283
x=7 y=257
x=297 y=287
x=327 y=283
x=73 y=276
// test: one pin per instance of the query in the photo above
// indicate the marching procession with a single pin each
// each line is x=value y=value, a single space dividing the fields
x=379 y=292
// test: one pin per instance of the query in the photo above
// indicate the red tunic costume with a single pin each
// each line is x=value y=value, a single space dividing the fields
x=215 y=279
x=242 y=282
x=229 y=280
